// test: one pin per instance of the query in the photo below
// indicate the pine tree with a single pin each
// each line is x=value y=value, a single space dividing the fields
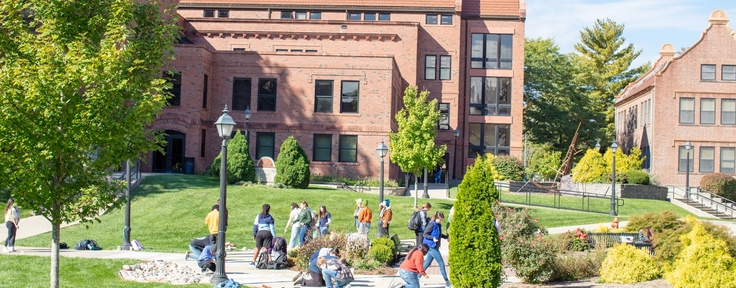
x=292 y=165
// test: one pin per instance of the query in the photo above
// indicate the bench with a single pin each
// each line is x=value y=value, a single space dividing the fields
x=607 y=240
x=402 y=247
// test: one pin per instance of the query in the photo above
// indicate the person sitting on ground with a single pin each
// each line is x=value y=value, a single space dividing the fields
x=334 y=269
x=413 y=266
x=196 y=247
x=314 y=277
x=263 y=232
x=206 y=260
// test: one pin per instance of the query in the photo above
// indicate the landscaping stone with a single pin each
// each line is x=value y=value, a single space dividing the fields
x=163 y=272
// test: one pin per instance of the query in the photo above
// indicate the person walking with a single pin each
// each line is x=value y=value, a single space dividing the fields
x=294 y=225
x=12 y=220
x=433 y=238
x=413 y=266
x=423 y=215
x=364 y=219
x=263 y=232
x=304 y=219
x=213 y=224
x=384 y=216
x=325 y=218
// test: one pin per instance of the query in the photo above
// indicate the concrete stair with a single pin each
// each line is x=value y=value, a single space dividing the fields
x=704 y=208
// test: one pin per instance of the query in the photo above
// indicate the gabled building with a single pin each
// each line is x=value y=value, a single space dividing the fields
x=686 y=97
x=333 y=73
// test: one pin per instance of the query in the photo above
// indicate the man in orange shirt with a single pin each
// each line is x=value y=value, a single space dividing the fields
x=413 y=266
x=213 y=225
x=364 y=218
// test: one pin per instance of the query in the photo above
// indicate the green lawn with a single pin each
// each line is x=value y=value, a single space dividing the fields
x=33 y=271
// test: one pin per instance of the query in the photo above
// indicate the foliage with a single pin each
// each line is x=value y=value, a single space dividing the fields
x=364 y=263
x=533 y=257
x=239 y=164
x=669 y=243
x=413 y=146
x=704 y=262
x=627 y=264
x=87 y=74
x=597 y=169
x=570 y=267
x=509 y=168
x=382 y=250
x=302 y=254
x=659 y=222
x=475 y=242
x=370 y=181
x=573 y=241
x=357 y=246
x=637 y=177
x=292 y=165
x=544 y=162
x=720 y=184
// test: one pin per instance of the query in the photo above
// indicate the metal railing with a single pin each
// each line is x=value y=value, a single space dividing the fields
x=135 y=171
x=707 y=199
x=555 y=198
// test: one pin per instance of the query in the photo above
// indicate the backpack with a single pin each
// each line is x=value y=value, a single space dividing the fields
x=92 y=245
x=136 y=245
x=279 y=262
x=262 y=260
x=63 y=245
x=415 y=221
x=82 y=245
x=279 y=244
x=230 y=283
x=315 y=217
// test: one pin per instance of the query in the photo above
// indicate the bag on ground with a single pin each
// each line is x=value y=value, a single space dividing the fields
x=230 y=283
x=82 y=245
x=92 y=245
x=136 y=245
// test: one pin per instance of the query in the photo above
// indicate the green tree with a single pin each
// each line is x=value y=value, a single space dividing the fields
x=413 y=146
x=474 y=239
x=239 y=164
x=509 y=168
x=594 y=167
x=607 y=68
x=292 y=165
x=79 y=82
x=544 y=161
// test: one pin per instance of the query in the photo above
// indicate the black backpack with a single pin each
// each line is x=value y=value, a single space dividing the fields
x=415 y=221
x=82 y=245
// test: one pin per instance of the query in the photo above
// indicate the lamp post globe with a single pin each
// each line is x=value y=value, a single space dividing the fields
x=382 y=151
x=612 y=212
x=687 y=170
x=225 y=125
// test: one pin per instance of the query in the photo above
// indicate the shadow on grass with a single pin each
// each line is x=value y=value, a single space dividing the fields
x=161 y=184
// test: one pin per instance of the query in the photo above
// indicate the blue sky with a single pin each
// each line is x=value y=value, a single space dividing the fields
x=649 y=23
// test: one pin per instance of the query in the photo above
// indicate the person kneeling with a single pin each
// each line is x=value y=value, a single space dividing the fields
x=314 y=278
x=206 y=260
x=413 y=266
x=337 y=270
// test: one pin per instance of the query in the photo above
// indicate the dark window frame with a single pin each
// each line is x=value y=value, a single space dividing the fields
x=384 y=16
x=267 y=101
x=487 y=109
x=707 y=76
x=223 y=13
x=443 y=17
x=316 y=147
x=342 y=157
x=371 y=14
x=260 y=148
x=430 y=72
x=442 y=69
x=343 y=97
x=431 y=19
x=731 y=74
x=241 y=99
x=205 y=88
x=324 y=98
x=175 y=79
x=444 y=122
x=690 y=112
x=498 y=63
x=315 y=15
x=289 y=13
x=208 y=13
x=474 y=150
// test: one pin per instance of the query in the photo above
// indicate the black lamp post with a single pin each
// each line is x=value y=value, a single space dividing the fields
x=225 y=125
x=126 y=229
x=614 y=148
x=382 y=151
x=454 y=157
x=247 y=117
x=687 y=170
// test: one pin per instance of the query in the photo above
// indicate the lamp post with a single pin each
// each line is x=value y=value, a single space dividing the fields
x=614 y=147
x=247 y=117
x=687 y=170
x=454 y=157
x=126 y=229
x=598 y=145
x=225 y=125
x=382 y=150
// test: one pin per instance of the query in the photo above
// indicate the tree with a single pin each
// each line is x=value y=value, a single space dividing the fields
x=544 y=162
x=292 y=165
x=607 y=61
x=79 y=82
x=239 y=164
x=474 y=239
x=413 y=147
x=594 y=167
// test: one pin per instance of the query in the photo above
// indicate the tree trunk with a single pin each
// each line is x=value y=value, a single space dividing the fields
x=416 y=190
x=55 y=231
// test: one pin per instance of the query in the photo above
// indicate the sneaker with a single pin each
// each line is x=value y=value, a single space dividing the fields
x=252 y=264
x=5 y=250
x=186 y=257
x=298 y=277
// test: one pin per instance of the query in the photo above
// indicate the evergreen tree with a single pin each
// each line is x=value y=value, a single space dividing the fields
x=475 y=249
x=239 y=164
x=292 y=165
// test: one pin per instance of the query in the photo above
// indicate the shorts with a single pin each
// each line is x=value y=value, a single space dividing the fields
x=263 y=239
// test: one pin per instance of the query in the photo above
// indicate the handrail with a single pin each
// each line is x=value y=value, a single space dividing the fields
x=707 y=199
x=557 y=201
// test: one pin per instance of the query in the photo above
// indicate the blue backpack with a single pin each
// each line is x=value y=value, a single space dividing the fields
x=230 y=283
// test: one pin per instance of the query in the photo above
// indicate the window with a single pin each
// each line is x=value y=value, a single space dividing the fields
x=205 y=86
x=349 y=100
x=445 y=63
x=707 y=159
x=202 y=143
x=632 y=119
x=301 y=15
x=488 y=138
x=687 y=110
x=265 y=141
x=707 y=72
x=354 y=16
x=311 y=51
x=384 y=16
x=209 y=13
x=490 y=96
x=728 y=160
x=348 y=148
x=266 y=94
x=444 y=122
x=282 y=50
x=297 y=50
x=369 y=16
x=728 y=111
x=287 y=15
x=430 y=67
x=322 y=147
x=446 y=19
x=707 y=111
x=223 y=13
x=491 y=51
x=175 y=79
x=315 y=15
x=431 y=19
x=323 y=96
x=241 y=93
x=685 y=160
x=728 y=72
x=238 y=49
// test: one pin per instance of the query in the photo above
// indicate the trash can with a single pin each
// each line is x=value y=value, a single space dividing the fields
x=188 y=165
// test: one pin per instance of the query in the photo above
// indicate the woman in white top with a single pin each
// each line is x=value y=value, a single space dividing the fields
x=294 y=226
x=12 y=218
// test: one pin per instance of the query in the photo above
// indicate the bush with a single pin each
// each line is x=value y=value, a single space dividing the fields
x=292 y=165
x=659 y=222
x=570 y=267
x=637 y=177
x=591 y=168
x=703 y=262
x=301 y=255
x=544 y=161
x=720 y=184
x=523 y=245
x=626 y=264
x=669 y=244
x=382 y=250
x=573 y=241
x=509 y=168
x=239 y=164
x=357 y=246
x=472 y=226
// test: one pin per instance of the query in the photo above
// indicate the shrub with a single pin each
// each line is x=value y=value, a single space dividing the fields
x=720 y=184
x=573 y=241
x=533 y=258
x=591 y=168
x=239 y=164
x=357 y=246
x=382 y=250
x=292 y=165
x=301 y=255
x=665 y=220
x=509 y=168
x=703 y=262
x=544 y=162
x=516 y=222
x=626 y=264
x=669 y=244
x=472 y=226
x=570 y=267
x=637 y=177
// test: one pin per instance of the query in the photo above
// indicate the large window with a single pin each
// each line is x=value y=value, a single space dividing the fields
x=687 y=110
x=348 y=148
x=384 y=16
x=707 y=72
x=707 y=111
x=490 y=96
x=241 y=93
x=430 y=67
x=349 y=97
x=322 y=147
x=445 y=19
x=685 y=159
x=488 y=138
x=728 y=72
x=323 y=96
x=175 y=80
x=707 y=159
x=267 y=94
x=728 y=160
x=728 y=111
x=265 y=142
x=491 y=51
x=205 y=86
x=444 y=122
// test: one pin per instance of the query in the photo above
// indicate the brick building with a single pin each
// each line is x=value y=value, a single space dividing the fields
x=701 y=83
x=332 y=73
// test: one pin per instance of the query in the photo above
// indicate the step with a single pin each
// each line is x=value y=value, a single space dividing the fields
x=705 y=209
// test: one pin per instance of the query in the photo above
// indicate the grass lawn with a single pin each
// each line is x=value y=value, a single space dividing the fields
x=33 y=271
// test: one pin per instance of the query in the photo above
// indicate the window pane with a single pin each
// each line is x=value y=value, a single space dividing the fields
x=204 y=91
x=687 y=110
x=708 y=72
x=384 y=16
x=286 y=14
x=446 y=20
x=430 y=64
x=315 y=15
x=223 y=13
x=369 y=16
x=728 y=72
x=491 y=51
x=476 y=52
x=267 y=95
x=445 y=69
x=476 y=90
x=474 y=134
x=707 y=111
x=728 y=111
x=491 y=91
x=683 y=159
x=506 y=51
x=707 y=159
x=444 y=122
x=504 y=97
x=322 y=147
x=348 y=148
x=354 y=16
x=264 y=144
x=728 y=157
x=209 y=13
x=489 y=135
x=241 y=93
x=323 y=96
x=349 y=101
x=301 y=15
x=432 y=19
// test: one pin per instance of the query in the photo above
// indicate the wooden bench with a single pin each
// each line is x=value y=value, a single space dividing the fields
x=607 y=240
x=402 y=247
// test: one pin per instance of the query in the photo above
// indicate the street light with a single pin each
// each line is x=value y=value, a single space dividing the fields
x=225 y=125
x=687 y=170
x=382 y=150
x=598 y=145
x=454 y=157
x=614 y=147
x=247 y=117
x=126 y=229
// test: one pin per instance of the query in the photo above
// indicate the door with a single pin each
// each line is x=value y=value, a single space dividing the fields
x=172 y=160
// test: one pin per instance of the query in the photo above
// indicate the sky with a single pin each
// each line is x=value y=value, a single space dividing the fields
x=649 y=24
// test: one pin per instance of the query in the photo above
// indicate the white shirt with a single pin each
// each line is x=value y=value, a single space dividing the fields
x=292 y=217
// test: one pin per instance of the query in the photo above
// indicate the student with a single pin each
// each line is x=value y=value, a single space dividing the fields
x=433 y=238
x=358 y=204
x=384 y=217
x=294 y=225
x=364 y=219
x=325 y=218
x=413 y=267
x=263 y=232
x=206 y=260
x=423 y=215
x=315 y=278
x=304 y=219
x=12 y=219
x=337 y=270
x=213 y=224
x=196 y=247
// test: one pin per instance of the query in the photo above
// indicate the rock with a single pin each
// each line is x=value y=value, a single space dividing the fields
x=162 y=272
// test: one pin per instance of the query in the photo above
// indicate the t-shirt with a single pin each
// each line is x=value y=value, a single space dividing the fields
x=323 y=220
